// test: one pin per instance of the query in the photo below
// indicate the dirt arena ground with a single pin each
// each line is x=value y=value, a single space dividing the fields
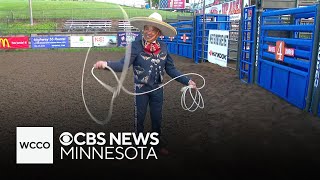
x=243 y=130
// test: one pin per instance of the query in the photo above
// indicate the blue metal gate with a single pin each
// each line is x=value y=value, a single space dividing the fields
x=285 y=61
x=182 y=43
x=185 y=38
x=172 y=44
x=248 y=27
x=212 y=21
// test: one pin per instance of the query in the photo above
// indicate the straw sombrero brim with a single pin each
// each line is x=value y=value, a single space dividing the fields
x=165 y=28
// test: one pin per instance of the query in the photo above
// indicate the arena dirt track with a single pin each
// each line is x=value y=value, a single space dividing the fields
x=243 y=130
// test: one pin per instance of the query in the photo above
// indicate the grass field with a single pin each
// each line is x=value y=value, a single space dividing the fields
x=48 y=9
x=47 y=14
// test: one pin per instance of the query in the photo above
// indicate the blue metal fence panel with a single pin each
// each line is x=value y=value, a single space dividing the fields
x=182 y=44
x=212 y=21
x=171 y=44
x=246 y=65
x=287 y=78
x=185 y=42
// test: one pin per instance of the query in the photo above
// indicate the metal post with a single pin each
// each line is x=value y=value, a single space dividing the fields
x=239 y=38
x=12 y=17
x=312 y=101
x=203 y=28
x=194 y=38
x=30 y=9
x=259 y=10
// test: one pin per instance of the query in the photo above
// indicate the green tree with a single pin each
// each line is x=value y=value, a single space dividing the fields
x=153 y=2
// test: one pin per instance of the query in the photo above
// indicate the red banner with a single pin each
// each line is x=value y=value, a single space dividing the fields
x=233 y=7
x=177 y=4
x=14 y=42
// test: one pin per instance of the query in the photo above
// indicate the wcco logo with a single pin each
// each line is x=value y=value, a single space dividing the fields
x=34 y=145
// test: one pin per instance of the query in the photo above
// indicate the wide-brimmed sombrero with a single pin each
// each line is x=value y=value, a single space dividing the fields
x=155 y=19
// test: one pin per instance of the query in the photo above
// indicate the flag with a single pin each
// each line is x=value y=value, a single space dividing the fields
x=163 y=4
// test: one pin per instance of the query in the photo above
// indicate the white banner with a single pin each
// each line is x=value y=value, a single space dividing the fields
x=217 y=9
x=81 y=41
x=218 y=47
x=105 y=41
x=209 y=2
x=232 y=8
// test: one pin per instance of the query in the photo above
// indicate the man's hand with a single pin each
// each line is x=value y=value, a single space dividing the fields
x=192 y=84
x=100 y=65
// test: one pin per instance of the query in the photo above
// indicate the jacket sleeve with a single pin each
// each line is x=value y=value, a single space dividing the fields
x=117 y=66
x=173 y=72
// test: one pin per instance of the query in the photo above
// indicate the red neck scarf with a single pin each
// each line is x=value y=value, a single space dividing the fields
x=151 y=48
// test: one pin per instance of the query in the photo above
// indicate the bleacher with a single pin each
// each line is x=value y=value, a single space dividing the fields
x=306 y=2
x=88 y=25
x=124 y=25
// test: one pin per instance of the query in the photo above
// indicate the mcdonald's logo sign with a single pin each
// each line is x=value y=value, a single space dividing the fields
x=4 y=42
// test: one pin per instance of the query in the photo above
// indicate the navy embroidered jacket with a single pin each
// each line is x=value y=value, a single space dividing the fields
x=148 y=68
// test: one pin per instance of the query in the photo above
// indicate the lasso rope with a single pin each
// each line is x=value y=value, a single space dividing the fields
x=197 y=98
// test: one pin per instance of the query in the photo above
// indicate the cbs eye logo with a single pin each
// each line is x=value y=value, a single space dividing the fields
x=66 y=138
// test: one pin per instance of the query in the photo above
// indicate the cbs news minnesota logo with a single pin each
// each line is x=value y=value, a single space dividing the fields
x=34 y=145
x=4 y=43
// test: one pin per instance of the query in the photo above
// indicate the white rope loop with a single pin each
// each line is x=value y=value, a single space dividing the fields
x=197 y=98
x=195 y=105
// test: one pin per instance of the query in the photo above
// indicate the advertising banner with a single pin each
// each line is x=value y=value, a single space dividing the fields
x=81 y=41
x=49 y=42
x=209 y=2
x=125 y=38
x=14 y=42
x=217 y=9
x=105 y=41
x=218 y=47
x=232 y=8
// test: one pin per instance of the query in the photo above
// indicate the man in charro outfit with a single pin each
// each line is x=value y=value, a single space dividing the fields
x=150 y=59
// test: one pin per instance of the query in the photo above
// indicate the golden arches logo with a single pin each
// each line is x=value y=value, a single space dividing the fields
x=3 y=42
